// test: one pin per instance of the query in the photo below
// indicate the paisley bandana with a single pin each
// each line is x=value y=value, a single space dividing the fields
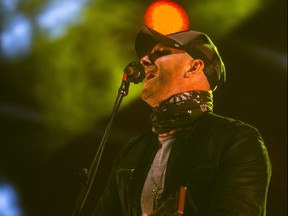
x=180 y=110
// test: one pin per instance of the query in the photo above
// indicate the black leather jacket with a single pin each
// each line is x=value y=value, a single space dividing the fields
x=223 y=163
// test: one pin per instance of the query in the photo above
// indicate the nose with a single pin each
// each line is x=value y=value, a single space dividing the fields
x=145 y=61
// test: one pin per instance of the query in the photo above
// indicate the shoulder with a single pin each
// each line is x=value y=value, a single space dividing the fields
x=228 y=125
x=221 y=132
x=236 y=137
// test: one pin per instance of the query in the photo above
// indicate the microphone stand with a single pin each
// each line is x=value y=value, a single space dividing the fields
x=89 y=176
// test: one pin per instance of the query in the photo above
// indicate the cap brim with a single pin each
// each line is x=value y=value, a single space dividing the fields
x=147 y=38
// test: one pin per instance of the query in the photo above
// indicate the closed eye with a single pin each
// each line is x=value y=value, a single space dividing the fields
x=162 y=52
x=157 y=54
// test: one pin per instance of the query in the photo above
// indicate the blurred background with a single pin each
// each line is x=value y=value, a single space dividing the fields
x=61 y=64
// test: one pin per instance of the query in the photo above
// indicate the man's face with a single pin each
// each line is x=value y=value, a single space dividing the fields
x=165 y=68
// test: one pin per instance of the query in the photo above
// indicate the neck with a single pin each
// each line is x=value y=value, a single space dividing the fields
x=180 y=110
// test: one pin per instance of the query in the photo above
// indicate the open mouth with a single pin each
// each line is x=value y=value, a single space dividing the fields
x=150 y=76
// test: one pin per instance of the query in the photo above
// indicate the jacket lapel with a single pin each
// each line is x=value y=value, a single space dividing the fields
x=184 y=152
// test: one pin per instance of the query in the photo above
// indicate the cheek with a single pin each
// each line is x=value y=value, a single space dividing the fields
x=165 y=77
x=168 y=81
x=171 y=74
x=171 y=70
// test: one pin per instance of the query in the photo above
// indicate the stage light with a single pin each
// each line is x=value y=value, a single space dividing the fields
x=56 y=16
x=166 y=17
x=16 y=37
x=9 y=203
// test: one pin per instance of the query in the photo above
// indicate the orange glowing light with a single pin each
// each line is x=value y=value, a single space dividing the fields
x=166 y=17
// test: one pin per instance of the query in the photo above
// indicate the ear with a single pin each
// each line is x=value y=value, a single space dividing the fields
x=195 y=66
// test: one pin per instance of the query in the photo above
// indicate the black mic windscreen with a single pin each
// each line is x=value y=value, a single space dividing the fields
x=135 y=72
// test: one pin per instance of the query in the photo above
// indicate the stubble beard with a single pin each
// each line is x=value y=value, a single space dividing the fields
x=148 y=95
x=154 y=93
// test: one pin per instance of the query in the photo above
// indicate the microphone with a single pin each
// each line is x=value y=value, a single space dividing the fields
x=134 y=72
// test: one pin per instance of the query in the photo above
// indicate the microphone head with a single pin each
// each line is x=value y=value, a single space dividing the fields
x=135 y=72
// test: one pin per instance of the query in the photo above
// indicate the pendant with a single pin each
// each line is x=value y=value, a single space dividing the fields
x=156 y=196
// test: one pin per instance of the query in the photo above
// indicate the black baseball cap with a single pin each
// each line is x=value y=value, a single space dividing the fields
x=197 y=44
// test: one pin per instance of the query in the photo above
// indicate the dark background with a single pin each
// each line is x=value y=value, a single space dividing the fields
x=255 y=55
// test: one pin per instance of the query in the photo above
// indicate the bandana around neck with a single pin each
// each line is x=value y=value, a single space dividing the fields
x=180 y=110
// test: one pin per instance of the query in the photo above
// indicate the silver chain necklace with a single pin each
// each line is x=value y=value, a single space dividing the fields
x=158 y=187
